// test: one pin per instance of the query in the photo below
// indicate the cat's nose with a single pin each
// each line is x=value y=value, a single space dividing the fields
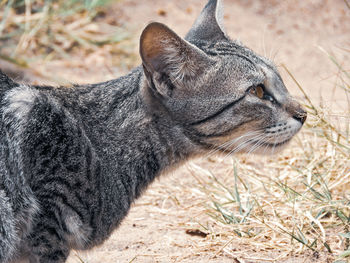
x=300 y=115
x=297 y=111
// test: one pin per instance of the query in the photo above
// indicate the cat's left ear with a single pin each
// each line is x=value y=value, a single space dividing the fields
x=209 y=25
x=164 y=52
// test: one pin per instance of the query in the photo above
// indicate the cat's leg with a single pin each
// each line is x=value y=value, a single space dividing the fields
x=63 y=174
x=46 y=246
x=46 y=242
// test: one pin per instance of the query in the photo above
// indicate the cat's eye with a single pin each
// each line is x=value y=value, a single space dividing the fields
x=258 y=91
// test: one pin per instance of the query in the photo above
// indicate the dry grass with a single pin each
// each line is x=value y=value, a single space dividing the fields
x=287 y=205
x=42 y=34
x=295 y=203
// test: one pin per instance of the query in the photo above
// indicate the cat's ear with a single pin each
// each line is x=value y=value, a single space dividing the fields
x=164 y=52
x=209 y=24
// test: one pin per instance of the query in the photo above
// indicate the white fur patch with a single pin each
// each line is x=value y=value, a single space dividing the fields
x=20 y=101
x=179 y=65
x=78 y=235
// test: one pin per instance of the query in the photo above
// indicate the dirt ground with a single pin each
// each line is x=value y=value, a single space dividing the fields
x=292 y=33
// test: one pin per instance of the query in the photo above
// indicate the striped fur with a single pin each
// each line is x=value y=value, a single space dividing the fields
x=72 y=160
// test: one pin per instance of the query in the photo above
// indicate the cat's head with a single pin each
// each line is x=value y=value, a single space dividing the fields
x=222 y=94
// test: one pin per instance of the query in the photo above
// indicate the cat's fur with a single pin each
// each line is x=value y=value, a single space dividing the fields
x=72 y=160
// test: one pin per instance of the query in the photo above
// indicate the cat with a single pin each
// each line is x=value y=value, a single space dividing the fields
x=72 y=160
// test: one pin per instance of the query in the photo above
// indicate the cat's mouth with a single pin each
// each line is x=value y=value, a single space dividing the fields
x=270 y=148
x=268 y=144
x=254 y=146
x=267 y=141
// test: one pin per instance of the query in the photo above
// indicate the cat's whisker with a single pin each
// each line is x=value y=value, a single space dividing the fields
x=265 y=148
x=274 y=145
x=229 y=143
x=273 y=58
x=239 y=147
x=257 y=144
x=263 y=41
x=91 y=150
x=261 y=140
x=244 y=144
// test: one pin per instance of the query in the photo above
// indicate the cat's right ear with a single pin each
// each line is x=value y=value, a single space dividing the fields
x=168 y=56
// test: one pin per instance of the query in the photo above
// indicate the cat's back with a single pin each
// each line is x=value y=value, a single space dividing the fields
x=17 y=203
x=45 y=155
x=6 y=83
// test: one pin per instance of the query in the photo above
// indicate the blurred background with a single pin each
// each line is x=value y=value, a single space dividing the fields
x=94 y=40
x=289 y=208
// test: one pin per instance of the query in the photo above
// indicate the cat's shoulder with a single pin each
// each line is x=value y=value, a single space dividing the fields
x=25 y=106
x=18 y=101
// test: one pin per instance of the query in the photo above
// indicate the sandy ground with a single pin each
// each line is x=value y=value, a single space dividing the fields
x=290 y=32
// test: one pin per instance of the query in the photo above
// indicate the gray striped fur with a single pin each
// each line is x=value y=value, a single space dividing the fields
x=72 y=160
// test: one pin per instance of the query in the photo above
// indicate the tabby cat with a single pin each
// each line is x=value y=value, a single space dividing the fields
x=72 y=160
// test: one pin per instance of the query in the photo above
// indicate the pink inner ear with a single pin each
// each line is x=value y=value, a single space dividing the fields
x=152 y=38
x=161 y=49
x=154 y=43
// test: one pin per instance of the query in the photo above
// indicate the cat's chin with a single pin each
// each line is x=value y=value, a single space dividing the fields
x=263 y=149
x=269 y=148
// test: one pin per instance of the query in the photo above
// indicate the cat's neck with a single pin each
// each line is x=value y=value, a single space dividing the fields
x=133 y=144
x=120 y=111
x=128 y=135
